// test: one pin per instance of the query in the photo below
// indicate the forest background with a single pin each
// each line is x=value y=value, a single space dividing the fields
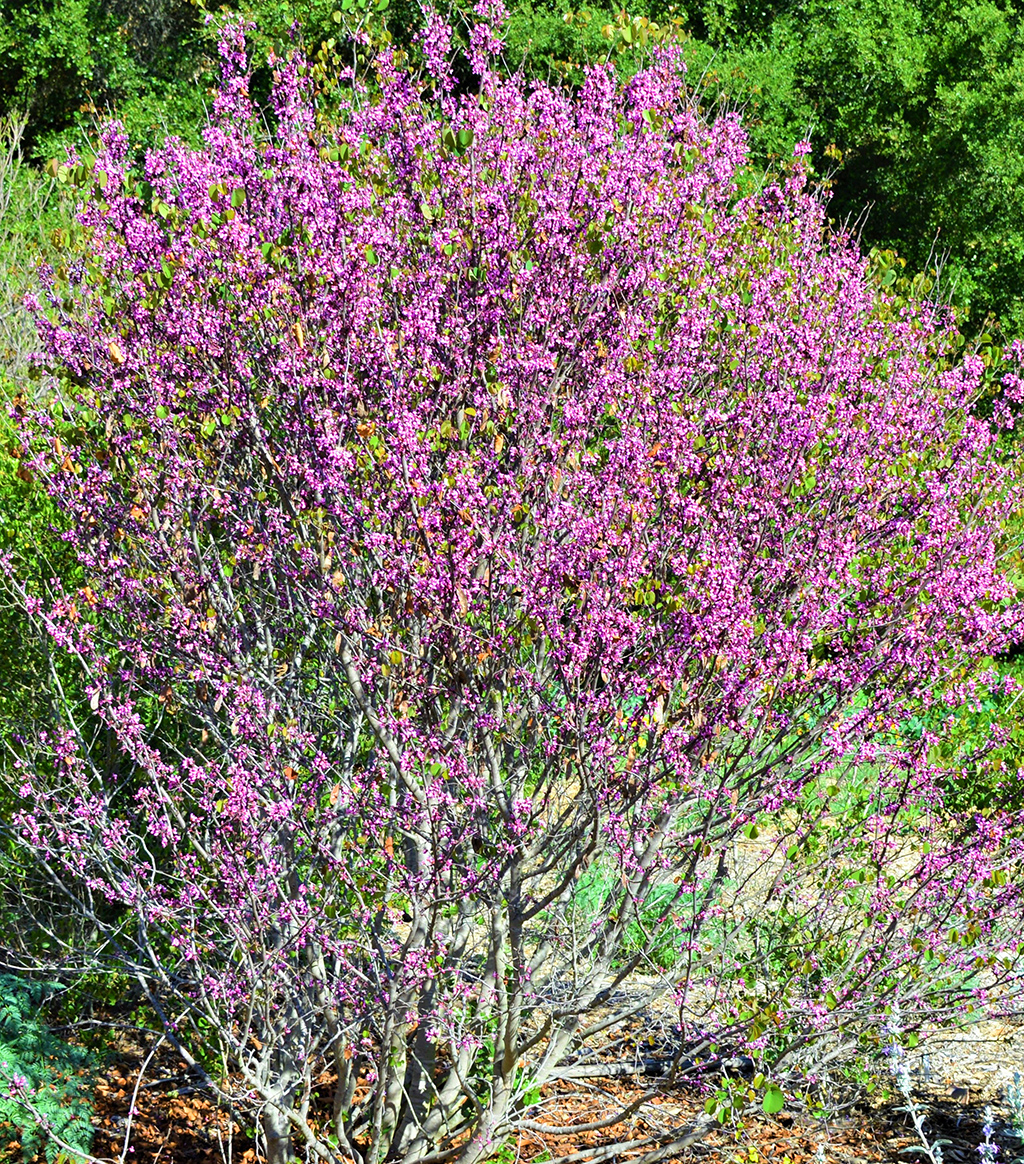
x=914 y=112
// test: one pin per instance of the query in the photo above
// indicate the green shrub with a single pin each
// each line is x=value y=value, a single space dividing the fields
x=980 y=746
x=47 y=1073
x=914 y=108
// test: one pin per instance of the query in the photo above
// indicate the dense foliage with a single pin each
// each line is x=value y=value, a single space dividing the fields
x=70 y=63
x=67 y=61
x=916 y=107
x=486 y=517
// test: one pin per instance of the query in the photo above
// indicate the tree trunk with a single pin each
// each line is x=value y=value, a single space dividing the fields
x=277 y=1130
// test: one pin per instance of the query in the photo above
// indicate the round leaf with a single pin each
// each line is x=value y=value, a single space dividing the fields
x=774 y=1101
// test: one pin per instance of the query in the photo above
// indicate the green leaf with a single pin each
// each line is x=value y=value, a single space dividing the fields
x=237 y=197
x=162 y=411
x=774 y=1101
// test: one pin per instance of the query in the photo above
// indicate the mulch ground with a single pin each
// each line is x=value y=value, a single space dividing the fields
x=178 y=1125
x=177 y=1122
x=174 y=1122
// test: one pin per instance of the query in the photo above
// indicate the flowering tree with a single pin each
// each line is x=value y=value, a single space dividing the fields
x=489 y=517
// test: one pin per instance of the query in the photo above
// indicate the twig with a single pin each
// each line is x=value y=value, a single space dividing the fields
x=135 y=1095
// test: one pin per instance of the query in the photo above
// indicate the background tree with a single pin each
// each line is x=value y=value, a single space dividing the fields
x=915 y=108
x=65 y=62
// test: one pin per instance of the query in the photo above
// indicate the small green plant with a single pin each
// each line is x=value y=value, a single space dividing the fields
x=732 y=1096
x=727 y=1102
x=928 y=1148
x=47 y=1081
